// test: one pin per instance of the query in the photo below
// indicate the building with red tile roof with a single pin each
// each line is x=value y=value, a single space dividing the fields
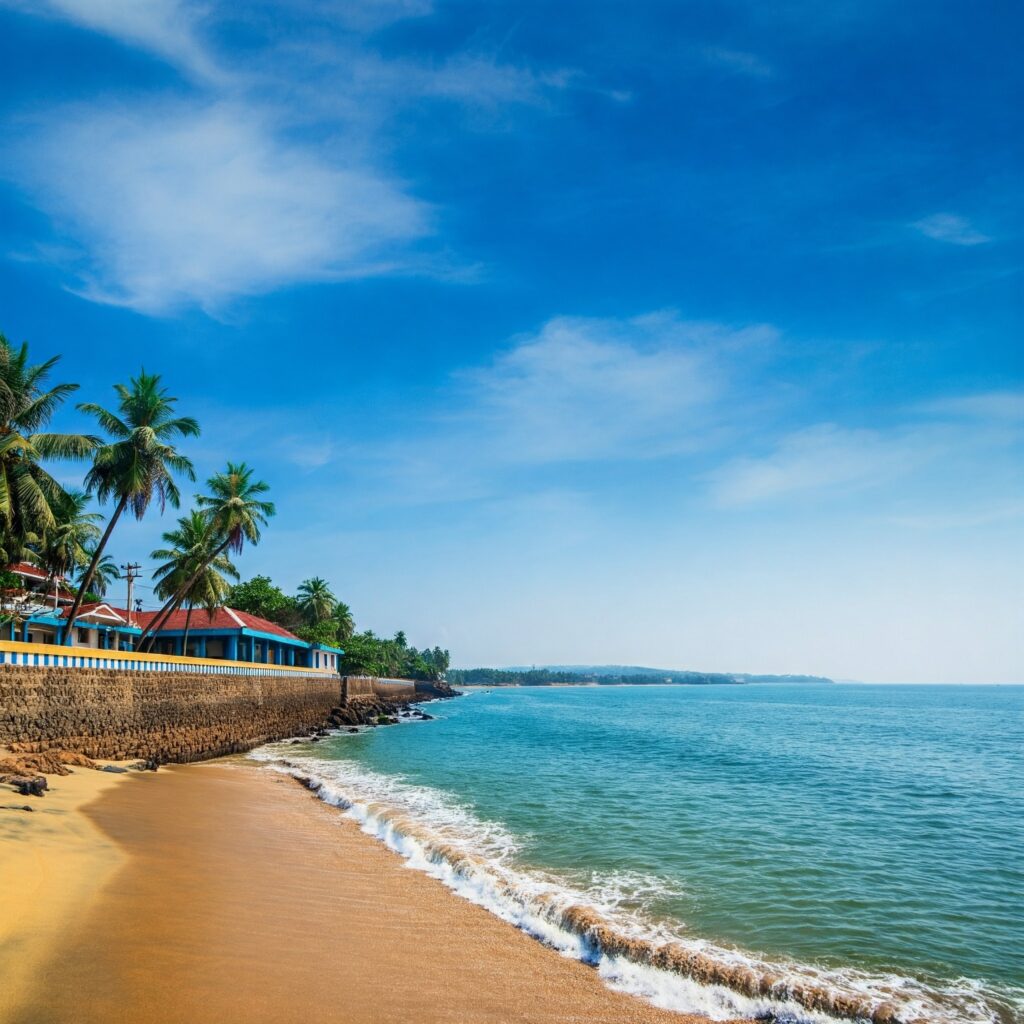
x=228 y=634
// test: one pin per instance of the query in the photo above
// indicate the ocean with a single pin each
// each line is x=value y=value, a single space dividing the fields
x=796 y=852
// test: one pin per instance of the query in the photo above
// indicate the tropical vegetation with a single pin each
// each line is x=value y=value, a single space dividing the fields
x=306 y=614
x=31 y=499
x=190 y=563
x=134 y=465
x=138 y=463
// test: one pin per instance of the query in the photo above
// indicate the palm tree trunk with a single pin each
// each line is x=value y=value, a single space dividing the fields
x=157 y=623
x=188 y=622
x=91 y=571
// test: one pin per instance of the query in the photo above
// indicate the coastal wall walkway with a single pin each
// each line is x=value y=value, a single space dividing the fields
x=123 y=704
x=13 y=652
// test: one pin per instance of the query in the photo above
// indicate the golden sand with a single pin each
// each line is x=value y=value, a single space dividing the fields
x=243 y=898
x=54 y=862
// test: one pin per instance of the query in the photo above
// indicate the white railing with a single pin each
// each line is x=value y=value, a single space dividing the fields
x=13 y=652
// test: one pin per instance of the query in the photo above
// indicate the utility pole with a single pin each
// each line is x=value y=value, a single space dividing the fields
x=131 y=574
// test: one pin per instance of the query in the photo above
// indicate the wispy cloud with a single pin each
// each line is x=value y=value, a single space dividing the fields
x=577 y=393
x=949 y=227
x=200 y=203
x=605 y=388
x=367 y=15
x=990 y=405
x=822 y=458
x=738 y=61
x=265 y=173
x=956 y=433
x=167 y=28
x=474 y=78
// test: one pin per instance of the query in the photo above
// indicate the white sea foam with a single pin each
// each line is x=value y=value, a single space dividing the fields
x=479 y=861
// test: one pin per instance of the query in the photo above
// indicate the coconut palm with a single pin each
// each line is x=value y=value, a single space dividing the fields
x=235 y=512
x=29 y=496
x=316 y=602
x=139 y=463
x=106 y=572
x=346 y=624
x=190 y=548
x=62 y=547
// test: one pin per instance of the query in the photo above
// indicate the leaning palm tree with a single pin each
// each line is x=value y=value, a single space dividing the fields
x=316 y=602
x=28 y=494
x=235 y=512
x=106 y=572
x=138 y=464
x=63 y=545
x=190 y=548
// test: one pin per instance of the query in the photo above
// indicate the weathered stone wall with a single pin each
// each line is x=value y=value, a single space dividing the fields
x=168 y=716
x=365 y=687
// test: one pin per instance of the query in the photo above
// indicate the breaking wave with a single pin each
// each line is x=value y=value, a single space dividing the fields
x=605 y=920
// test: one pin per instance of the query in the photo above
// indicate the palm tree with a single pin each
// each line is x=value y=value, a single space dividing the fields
x=62 y=548
x=346 y=624
x=190 y=547
x=137 y=465
x=235 y=512
x=316 y=602
x=28 y=494
x=105 y=574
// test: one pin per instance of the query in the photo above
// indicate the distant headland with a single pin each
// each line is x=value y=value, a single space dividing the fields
x=612 y=675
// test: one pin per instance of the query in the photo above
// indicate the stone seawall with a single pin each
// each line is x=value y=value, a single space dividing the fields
x=367 y=687
x=166 y=716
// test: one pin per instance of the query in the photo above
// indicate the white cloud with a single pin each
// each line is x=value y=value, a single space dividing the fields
x=948 y=227
x=962 y=435
x=605 y=388
x=820 y=458
x=175 y=202
x=201 y=203
x=167 y=28
x=578 y=392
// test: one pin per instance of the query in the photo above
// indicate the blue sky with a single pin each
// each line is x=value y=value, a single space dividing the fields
x=666 y=333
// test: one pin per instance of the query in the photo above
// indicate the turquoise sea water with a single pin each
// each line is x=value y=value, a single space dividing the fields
x=864 y=839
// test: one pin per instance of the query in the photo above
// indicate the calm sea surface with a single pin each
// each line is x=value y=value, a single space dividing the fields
x=870 y=835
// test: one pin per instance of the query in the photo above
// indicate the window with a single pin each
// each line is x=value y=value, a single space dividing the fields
x=83 y=636
x=31 y=637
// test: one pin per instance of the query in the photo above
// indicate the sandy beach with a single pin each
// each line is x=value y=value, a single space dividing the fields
x=54 y=862
x=222 y=892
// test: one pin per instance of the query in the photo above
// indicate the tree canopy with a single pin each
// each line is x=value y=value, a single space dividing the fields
x=365 y=652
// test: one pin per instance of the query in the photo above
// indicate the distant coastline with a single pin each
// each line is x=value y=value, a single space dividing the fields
x=614 y=675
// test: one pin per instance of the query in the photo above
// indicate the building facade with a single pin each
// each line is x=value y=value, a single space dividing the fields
x=36 y=612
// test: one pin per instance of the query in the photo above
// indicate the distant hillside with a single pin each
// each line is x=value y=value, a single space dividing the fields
x=610 y=675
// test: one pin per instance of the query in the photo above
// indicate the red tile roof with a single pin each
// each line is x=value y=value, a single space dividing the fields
x=93 y=605
x=223 y=618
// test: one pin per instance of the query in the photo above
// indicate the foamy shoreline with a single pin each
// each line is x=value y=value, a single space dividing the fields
x=224 y=895
x=686 y=977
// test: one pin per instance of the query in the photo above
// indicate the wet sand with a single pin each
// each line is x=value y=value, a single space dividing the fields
x=243 y=898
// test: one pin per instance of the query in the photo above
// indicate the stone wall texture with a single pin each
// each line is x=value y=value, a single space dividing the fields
x=166 y=716
x=364 y=687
